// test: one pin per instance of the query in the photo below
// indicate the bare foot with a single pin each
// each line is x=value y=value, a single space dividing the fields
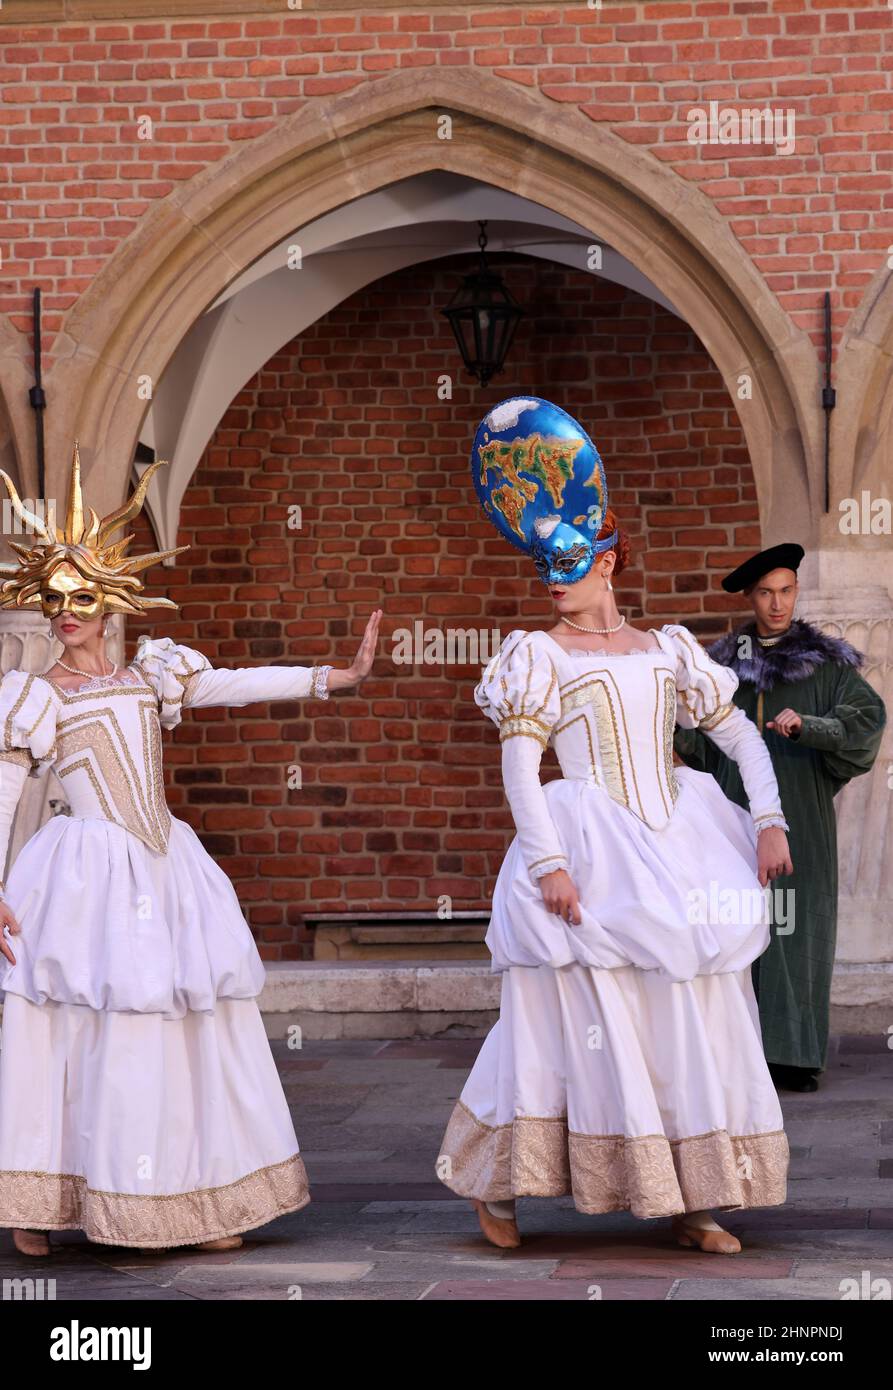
x=31 y=1242
x=224 y=1243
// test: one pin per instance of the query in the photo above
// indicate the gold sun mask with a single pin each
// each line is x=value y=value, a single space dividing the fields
x=77 y=568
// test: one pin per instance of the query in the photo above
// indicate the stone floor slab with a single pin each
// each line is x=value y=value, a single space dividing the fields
x=562 y=1291
x=619 y=1262
x=370 y=1117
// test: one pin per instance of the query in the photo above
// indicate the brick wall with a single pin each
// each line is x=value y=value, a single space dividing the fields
x=819 y=218
x=402 y=799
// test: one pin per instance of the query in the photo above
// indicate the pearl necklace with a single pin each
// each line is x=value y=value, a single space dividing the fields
x=616 y=628
x=92 y=675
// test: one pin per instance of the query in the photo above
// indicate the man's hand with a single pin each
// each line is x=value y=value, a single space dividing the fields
x=773 y=854
x=786 y=723
x=7 y=920
x=560 y=896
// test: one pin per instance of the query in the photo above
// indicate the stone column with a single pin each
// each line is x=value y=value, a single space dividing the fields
x=863 y=974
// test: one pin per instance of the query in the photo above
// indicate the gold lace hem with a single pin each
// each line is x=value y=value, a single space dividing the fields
x=647 y=1176
x=64 y=1202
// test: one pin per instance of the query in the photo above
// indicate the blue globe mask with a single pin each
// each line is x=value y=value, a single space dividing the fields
x=541 y=482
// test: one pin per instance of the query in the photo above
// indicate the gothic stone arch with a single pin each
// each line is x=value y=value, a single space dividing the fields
x=188 y=248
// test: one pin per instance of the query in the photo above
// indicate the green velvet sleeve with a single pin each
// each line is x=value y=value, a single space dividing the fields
x=849 y=735
x=696 y=751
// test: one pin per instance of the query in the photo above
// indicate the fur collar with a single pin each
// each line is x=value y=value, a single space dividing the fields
x=795 y=658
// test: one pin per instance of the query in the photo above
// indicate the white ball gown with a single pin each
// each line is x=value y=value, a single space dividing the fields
x=627 y=1066
x=139 y=1099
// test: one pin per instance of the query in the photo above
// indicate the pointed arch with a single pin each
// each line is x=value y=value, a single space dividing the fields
x=188 y=248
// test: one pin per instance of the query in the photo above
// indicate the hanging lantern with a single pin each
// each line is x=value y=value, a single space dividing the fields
x=483 y=315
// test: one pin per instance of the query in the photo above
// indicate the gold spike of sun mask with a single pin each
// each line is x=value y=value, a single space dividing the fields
x=78 y=568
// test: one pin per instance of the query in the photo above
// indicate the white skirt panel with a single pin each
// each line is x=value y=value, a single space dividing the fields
x=143 y=1130
x=684 y=900
x=624 y=1088
x=110 y=923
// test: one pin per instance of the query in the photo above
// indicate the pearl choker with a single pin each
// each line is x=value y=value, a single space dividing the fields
x=616 y=628
x=91 y=675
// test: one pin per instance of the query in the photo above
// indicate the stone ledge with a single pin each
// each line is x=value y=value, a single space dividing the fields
x=380 y=987
x=863 y=983
x=393 y=999
x=402 y=999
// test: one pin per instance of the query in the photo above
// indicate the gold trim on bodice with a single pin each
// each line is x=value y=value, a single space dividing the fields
x=109 y=758
x=136 y=793
x=669 y=729
x=612 y=725
x=642 y=781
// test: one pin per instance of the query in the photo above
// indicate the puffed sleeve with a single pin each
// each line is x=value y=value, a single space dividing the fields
x=27 y=721
x=519 y=692
x=704 y=691
x=184 y=678
x=27 y=743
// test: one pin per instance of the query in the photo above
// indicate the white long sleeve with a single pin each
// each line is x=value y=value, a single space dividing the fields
x=519 y=692
x=538 y=837
x=184 y=678
x=13 y=773
x=739 y=738
x=245 y=685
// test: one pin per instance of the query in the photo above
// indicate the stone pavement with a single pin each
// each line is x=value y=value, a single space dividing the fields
x=369 y=1118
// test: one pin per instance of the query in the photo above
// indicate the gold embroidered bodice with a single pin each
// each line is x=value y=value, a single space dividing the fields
x=108 y=754
x=103 y=739
x=609 y=716
x=618 y=714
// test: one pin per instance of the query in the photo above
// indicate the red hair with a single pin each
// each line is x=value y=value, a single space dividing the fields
x=620 y=546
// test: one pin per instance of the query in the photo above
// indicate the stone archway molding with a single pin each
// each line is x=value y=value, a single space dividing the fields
x=188 y=248
x=862 y=424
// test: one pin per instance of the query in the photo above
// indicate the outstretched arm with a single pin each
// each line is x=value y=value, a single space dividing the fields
x=244 y=685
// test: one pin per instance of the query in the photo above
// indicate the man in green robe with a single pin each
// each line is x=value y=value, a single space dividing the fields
x=822 y=723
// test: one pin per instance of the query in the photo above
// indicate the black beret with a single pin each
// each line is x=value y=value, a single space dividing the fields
x=777 y=557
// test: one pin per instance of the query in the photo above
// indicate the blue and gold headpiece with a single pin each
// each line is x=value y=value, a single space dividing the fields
x=541 y=482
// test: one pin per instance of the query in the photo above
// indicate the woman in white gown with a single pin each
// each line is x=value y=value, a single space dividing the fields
x=627 y=1066
x=139 y=1099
